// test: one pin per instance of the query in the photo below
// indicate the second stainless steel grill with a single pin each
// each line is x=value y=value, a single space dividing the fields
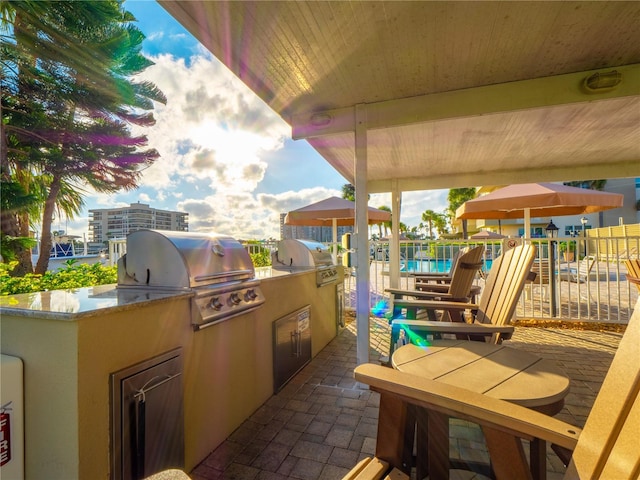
x=298 y=255
x=216 y=268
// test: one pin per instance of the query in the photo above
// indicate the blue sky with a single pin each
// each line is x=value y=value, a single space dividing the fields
x=226 y=158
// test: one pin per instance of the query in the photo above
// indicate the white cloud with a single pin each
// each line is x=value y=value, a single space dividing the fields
x=213 y=136
x=212 y=126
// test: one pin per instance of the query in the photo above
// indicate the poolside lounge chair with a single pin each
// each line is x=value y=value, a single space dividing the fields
x=460 y=289
x=581 y=275
x=607 y=446
x=490 y=316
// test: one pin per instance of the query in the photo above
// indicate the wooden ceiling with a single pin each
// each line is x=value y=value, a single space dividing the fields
x=452 y=94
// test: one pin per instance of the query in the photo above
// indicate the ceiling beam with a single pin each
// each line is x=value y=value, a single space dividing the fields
x=506 y=97
x=624 y=169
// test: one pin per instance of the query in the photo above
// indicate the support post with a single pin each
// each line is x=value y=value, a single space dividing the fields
x=362 y=240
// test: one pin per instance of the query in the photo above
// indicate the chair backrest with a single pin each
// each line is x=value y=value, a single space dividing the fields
x=585 y=267
x=504 y=285
x=608 y=444
x=456 y=258
x=467 y=266
x=633 y=271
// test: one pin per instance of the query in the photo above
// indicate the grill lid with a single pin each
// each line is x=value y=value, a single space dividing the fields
x=294 y=253
x=182 y=260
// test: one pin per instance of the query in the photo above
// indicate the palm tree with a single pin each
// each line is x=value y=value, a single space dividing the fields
x=74 y=62
x=387 y=224
x=349 y=192
x=456 y=197
x=430 y=217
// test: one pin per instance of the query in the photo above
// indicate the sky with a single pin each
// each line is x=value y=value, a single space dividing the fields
x=225 y=157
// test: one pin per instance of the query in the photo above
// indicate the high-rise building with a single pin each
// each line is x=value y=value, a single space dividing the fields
x=319 y=234
x=108 y=223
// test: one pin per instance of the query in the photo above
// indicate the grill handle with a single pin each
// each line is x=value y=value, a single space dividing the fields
x=213 y=276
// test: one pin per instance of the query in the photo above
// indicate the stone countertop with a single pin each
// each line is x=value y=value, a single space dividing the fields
x=81 y=302
x=90 y=301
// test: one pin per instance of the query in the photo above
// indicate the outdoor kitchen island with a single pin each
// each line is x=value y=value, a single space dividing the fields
x=71 y=342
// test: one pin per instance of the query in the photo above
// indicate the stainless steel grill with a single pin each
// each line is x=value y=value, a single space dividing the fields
x=298 y=255
x=216 y=268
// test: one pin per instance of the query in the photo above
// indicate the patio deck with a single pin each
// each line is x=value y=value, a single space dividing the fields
x=321 y=423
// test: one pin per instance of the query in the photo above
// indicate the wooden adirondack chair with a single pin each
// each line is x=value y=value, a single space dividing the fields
x=460 y=289
x=633 y=271
x=491 y=315
x=607 y=447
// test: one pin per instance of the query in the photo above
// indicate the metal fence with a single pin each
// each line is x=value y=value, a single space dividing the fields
x=582 y=278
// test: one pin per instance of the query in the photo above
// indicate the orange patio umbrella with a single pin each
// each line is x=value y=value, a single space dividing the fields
x=333 y=210
x=538 y=200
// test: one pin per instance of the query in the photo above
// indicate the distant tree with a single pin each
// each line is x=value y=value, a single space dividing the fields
x=387 y=224
x=590 y=184
x=349 y=192
x=440 y=223
x=456 y=197
x=429 y=216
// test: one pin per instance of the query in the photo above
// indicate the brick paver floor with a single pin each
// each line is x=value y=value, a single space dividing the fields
x=322 y=422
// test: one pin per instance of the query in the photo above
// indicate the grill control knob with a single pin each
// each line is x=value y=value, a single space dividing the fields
x=250 y=295
x=234 y=298
x=215 y=303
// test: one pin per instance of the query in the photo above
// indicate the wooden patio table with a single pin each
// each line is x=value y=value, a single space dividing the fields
x=494 y=370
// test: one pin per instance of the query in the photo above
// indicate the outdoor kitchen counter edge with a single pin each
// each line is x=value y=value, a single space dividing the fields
x=82 y=302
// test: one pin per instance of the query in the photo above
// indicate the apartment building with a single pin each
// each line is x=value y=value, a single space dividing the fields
x=108 y=223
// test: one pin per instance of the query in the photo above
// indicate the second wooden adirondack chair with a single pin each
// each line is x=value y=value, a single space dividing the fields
x=633 y=271
x=492 y=313
x=460 y=288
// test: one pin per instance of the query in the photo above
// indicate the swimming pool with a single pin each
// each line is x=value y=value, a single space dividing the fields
x=433 y=265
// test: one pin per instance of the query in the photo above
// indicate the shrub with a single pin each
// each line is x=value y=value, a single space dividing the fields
x=73 y=275
x=261 y=258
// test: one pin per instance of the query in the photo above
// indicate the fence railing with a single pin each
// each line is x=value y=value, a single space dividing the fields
x=586 y=278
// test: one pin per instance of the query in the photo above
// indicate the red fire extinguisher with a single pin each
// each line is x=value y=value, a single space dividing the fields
x=5 y=434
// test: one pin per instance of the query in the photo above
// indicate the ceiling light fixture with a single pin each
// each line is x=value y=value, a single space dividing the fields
x=320 y=119
x=602 y=82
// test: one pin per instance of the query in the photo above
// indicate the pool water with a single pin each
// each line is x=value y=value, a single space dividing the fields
x=432 y=266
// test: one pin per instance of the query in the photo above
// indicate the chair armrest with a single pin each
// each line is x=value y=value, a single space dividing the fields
x=434 y=304
x=432 y=287
x=429 y=275
x=467 y=405
x=459 y=328
x=421 y=294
